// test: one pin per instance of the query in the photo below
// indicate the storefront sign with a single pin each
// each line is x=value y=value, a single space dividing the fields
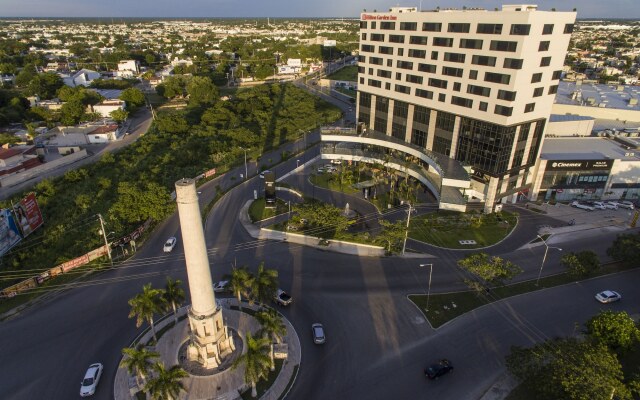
x=579 y=165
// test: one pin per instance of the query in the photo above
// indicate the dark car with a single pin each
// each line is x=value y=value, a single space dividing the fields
x=435 y=371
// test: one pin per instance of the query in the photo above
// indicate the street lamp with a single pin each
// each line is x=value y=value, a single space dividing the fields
x=297 y=164
x=429 y=288
x=245 y=163
x=546 y=249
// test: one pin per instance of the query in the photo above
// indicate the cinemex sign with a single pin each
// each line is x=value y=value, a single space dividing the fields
x=579 y=165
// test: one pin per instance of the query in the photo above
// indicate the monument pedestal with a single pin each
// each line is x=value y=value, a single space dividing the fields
x=210 y=339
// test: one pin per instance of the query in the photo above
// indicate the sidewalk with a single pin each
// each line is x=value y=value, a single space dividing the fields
x=225 y=385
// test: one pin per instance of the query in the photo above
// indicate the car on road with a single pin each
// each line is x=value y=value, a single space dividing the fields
x=91 y=380
x=170 y=244
x=338 y=162
x=608 y=296
x=598 y=205
x=626 y=204
x=261 y=175
x=318 y=333
x=282 y=298
x=611 y=205
x=581 y=206
x=435 y=371
x=221 y=286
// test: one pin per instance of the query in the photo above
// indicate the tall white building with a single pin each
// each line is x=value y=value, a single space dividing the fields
x=460 y=88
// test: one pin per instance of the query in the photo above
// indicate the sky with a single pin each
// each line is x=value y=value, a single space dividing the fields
x=286 y=8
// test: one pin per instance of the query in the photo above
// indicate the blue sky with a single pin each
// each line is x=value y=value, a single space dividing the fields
x=284 y=8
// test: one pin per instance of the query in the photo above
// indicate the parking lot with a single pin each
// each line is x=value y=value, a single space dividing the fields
x=596 y=218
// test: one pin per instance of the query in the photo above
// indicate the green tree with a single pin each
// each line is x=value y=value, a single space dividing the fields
x=569 y=369
x=166 y=384
x=265 y=284
x=173 y=86
x=119 y=115
x=272 y=327
x=138 y=361
x=139 y=202
x=581 y=264
x=490 y=270
x=173 y=295
x=626 y=248
x=256 y=361
x=614 y=329
x=133 y=97
x=145 y=305
x=322 y=215
x=72 y=112
x=45 y=85
x=392 y=233
x=201 y=91
x=240 y=283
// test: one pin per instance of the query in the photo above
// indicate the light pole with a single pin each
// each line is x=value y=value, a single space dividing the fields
x=245 y=163
x=297 y=163
x=406 y=231
x=429 y=288
x=546 y=249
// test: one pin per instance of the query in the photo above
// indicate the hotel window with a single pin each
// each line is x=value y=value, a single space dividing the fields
x=362 y=59
x=471 y=43
x=502 y=110
x=368 y=48
x=404 y=64
x=529 y=107
x=490 y=29
x=484 y=60
x=419 y=138
x=377 y=37
x=398 y=76
x=385 y=50
x=387 y=86
x=373 y=24
x=431 y=26
x=389 y=63
x=520 y=29
x=414 y=53
x=400 y=51
x=537 y=92
x=427 y=68
x=443 y=42
x=396 y=38
x=483 y=106
x=374 y=83
x=439 y=83
x=434 y=55
x=556 y=75
x=547 y=29
x=457 y=86
x=459 y=27
x=461 y=101
x=427 y=94
x=418 y=40
x=512 y=63
x=408 y=26
x=473 y=74
x=442 y=97
x=365 y=100
x=451 y=71
x=364 y=36
x=413 y=78
x=568 y=28
x=506 y=95
x=384 y=74
x=479 y=90
x=454 y=57
x=403 y=89
x=362 y=81
x=497 y=78
x=388 y=26
x=375 y=61
x=363 y=24
x=382 y=104
x=545 y=62
x=361 y=70
x=544 y=45
x=501 y=45
x=537 y=77
x=553 y=89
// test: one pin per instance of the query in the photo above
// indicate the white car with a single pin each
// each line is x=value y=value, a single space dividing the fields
x=91 y=379
x=222 y=286
x=170 y=244
x=608 y=296
x=626 y=204
x=598 y=205
x=338 y=162
x=611 y=205
x=318 y=333
x=261 y=175
x=581 y=206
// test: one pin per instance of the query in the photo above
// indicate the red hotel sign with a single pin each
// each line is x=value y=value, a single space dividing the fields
x=380 y=17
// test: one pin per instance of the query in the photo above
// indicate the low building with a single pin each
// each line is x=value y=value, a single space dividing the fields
x=17 y=158
x=128 y=68
x=105 y=107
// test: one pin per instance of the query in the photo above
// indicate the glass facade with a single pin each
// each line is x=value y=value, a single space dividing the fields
x=486 y=146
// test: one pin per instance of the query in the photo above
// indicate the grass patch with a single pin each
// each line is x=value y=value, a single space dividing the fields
x=348 y=73
x=291 y=381
x=347 y=92
x=330 y=181
x=264 y=385
x=258 y=210
x=446 y=229
x=442 y=309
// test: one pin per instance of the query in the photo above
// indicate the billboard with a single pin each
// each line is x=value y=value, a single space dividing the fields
x=579 y=165
x=329 y=43
x=28 y=215
x=9 y=233
x=294 y=62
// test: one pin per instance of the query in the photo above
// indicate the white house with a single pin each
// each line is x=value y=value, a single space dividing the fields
x=128 y=68
x=107 y=106
x=81 y=78
x=103 y=134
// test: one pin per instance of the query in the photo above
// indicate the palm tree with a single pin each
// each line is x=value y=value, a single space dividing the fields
x=272 y=327
x=138 y=361
x=265 y=284
x=167 y=383
x=173 y=295
x=145 y=305
x=240 y=283
x=256 y=361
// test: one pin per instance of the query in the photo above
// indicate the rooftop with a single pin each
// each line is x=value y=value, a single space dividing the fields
x=622 y=97
x=586 y=148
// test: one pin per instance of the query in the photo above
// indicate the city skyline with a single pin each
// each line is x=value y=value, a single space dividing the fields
x=282 y=8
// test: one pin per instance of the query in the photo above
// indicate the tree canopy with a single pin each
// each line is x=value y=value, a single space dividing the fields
x=489 y=269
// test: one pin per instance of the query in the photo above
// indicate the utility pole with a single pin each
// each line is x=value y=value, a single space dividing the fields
x=429 y=289
x=406 y=232
x=104 y=236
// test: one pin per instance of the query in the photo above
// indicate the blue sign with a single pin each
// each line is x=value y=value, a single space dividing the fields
x=9 y=233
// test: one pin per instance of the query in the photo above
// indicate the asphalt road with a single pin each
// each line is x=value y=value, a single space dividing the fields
x=377 y=341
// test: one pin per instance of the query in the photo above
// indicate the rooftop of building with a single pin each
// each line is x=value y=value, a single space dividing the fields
x=622 y=97
x=586 y=148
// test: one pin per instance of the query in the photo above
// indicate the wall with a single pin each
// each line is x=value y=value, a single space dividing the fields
x=14 y=179
x=334 y=245
x=597 y=112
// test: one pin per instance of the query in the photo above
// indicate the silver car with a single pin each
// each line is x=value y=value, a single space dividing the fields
x=608 y=296
x=318 y=333
x=91 y=379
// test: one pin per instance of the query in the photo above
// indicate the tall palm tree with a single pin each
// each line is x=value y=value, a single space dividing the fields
x=138 y=361
x=167 y=383
x=256 y=361
x=272 y=327
x=145 y=305
x=173 y=296
x=240 y=283
x=265 y=284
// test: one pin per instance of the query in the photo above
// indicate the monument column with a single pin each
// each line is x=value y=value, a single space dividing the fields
x=210 y=340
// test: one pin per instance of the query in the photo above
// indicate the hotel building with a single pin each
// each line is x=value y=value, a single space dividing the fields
x=463 y=95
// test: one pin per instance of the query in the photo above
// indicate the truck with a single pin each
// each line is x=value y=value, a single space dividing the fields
x=281 y=297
